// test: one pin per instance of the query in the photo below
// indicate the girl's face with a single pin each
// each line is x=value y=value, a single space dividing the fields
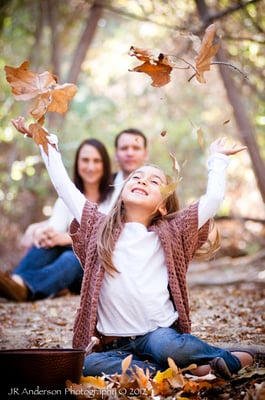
x=144 y=188
x=90 y=165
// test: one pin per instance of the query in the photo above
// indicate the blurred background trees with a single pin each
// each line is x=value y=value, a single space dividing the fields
x=87 y=42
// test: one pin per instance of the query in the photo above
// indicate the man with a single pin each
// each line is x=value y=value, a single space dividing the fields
x=130 y=153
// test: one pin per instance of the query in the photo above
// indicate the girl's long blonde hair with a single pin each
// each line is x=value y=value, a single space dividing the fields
x=115 y=219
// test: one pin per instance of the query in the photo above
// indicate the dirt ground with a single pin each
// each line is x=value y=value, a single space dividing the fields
x=227 y=309
x=226 y=298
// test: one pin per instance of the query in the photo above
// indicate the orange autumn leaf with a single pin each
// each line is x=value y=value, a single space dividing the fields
x=26 y=84
x=167 y=190
x=126 y=363
x=158 y=68
x=160 y=376
x=207 y=51
x=190 y=387
x=95 y=381
x=200 y=136
x=141 y=377
x=55 y=100
x=48 y=94
x=39 y=135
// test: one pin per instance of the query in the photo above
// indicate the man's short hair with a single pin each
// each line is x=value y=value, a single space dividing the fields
x=131 y=131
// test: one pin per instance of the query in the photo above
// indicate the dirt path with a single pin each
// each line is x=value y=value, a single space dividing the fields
x=231 y=311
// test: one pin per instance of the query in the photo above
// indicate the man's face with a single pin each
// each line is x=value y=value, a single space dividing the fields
x=130 y=153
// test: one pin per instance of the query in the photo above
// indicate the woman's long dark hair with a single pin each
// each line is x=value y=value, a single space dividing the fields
x=105 y=186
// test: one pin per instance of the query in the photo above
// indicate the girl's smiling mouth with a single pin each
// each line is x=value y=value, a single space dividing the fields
x=139 y=191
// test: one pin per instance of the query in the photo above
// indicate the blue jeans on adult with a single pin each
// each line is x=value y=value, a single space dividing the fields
x=47 y=271
x=152 y=351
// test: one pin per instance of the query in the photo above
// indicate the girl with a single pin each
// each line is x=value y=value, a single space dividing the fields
x=134 y=293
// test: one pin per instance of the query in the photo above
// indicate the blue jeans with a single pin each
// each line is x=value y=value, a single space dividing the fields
x=47 y=271
x=152 y=351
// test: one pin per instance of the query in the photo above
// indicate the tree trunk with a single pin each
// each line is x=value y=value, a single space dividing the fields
x=55 y=45
x=85 y=41
x=244 y=125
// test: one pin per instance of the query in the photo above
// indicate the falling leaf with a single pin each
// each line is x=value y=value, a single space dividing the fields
x=200 y=136
x=26 y=84
x=158 y=68
x=55 y=100
x=167 y=190
x=39 y=135
x=48 y=94
x=207 y=51
x=175 y=166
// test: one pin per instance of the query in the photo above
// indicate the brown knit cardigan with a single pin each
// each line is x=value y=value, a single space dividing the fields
x=180 y=238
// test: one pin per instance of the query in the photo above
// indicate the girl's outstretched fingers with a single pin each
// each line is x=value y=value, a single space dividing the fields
x=219 y=146
x=235 y=148
x=20 y=126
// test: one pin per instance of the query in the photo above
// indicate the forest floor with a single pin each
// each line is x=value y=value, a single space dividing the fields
x=227 y=298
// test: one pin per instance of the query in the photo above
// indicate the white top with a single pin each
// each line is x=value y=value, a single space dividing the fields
x=61 y=217
x=137 y=300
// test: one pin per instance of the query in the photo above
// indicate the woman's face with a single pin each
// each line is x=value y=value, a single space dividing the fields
x=90 y=165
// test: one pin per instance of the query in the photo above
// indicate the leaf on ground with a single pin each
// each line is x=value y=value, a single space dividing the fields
x=126 y=363
x=95 y=381
x=207 y=51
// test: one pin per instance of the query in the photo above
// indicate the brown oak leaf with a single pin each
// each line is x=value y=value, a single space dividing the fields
x=55 y=100
x=158 y=68
x=39 y=135
x=26 y=84
x=48 y=94
x=207 y=51
x=174 y=181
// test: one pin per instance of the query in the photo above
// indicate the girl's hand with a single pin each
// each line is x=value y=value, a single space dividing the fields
x=20 y=126
x=219 y=146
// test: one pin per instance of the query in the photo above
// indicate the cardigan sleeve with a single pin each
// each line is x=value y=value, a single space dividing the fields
x=81 y=233
x=192 y=236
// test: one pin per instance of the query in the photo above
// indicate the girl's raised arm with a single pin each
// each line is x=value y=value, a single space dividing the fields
x=217 y=164
x=65 y=188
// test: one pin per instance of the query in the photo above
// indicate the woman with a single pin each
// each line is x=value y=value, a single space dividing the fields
x=50 y=265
